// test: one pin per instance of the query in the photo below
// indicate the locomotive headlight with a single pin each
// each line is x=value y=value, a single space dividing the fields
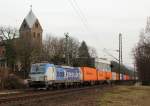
x=45 y=78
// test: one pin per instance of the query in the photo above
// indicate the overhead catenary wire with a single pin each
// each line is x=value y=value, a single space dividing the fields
x=79 y=13
x=82 y=17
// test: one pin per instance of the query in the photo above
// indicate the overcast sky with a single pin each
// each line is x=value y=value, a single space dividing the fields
x=104 y=20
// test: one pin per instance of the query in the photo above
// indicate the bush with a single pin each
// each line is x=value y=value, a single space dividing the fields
x=13 y=82
x=10 y=81
x=145 y=82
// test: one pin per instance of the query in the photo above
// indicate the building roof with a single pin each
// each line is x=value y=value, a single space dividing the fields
x=30 y=18
x=102 y=60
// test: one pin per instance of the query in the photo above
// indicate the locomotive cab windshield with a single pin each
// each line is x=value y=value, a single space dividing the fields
x=38 y=69
x=41 y=74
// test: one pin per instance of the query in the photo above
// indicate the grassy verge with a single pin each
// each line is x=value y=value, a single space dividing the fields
x=126 y=96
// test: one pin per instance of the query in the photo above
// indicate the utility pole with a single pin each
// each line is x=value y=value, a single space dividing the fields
x=120 y=53
x=121 y=48
x=134 y=72
x=67 y=50
x=119 y=59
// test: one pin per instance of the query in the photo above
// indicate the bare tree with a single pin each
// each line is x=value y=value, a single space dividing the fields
x=73 y=49
x=27 y=52
x=8 y=36
x=54 y=49
x=8 y=33
x=142 y=56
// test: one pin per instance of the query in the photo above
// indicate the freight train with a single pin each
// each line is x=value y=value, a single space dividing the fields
x=46 y=75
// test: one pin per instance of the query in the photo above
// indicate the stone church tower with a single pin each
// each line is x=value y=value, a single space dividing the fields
x=31 y=29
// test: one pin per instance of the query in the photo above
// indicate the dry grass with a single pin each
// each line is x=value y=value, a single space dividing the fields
x=126 y=96
x=109 y=96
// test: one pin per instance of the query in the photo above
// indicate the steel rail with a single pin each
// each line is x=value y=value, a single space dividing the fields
x=48 y=94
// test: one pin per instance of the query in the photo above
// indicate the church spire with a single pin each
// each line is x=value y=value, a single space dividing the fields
x=30 y=18
x=31 y=7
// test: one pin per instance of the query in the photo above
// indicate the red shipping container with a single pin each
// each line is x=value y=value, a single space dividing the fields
x=108 y=75
x=117 y=76
x=89 y=74
x=127 y=77
x=101 y=75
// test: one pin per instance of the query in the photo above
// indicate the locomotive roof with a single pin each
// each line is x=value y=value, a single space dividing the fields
x=43 y=64
x=65 y=66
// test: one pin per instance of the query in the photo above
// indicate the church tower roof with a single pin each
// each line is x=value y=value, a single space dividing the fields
x=30 y=18
x=31 y=28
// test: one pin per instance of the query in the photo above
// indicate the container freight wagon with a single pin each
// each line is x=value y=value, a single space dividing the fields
x=101 y=75
x=104 y=69
x=89 y=75
x=114 y=76
x=108 y=75
x=117 y=76
x=126 y=77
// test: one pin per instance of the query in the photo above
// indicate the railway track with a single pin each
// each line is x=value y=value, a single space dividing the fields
x=14 y=92
x=44 y=95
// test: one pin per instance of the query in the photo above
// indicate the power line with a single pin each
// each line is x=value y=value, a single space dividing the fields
x=106 y=51
x=78 y=12
x=82 y=17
